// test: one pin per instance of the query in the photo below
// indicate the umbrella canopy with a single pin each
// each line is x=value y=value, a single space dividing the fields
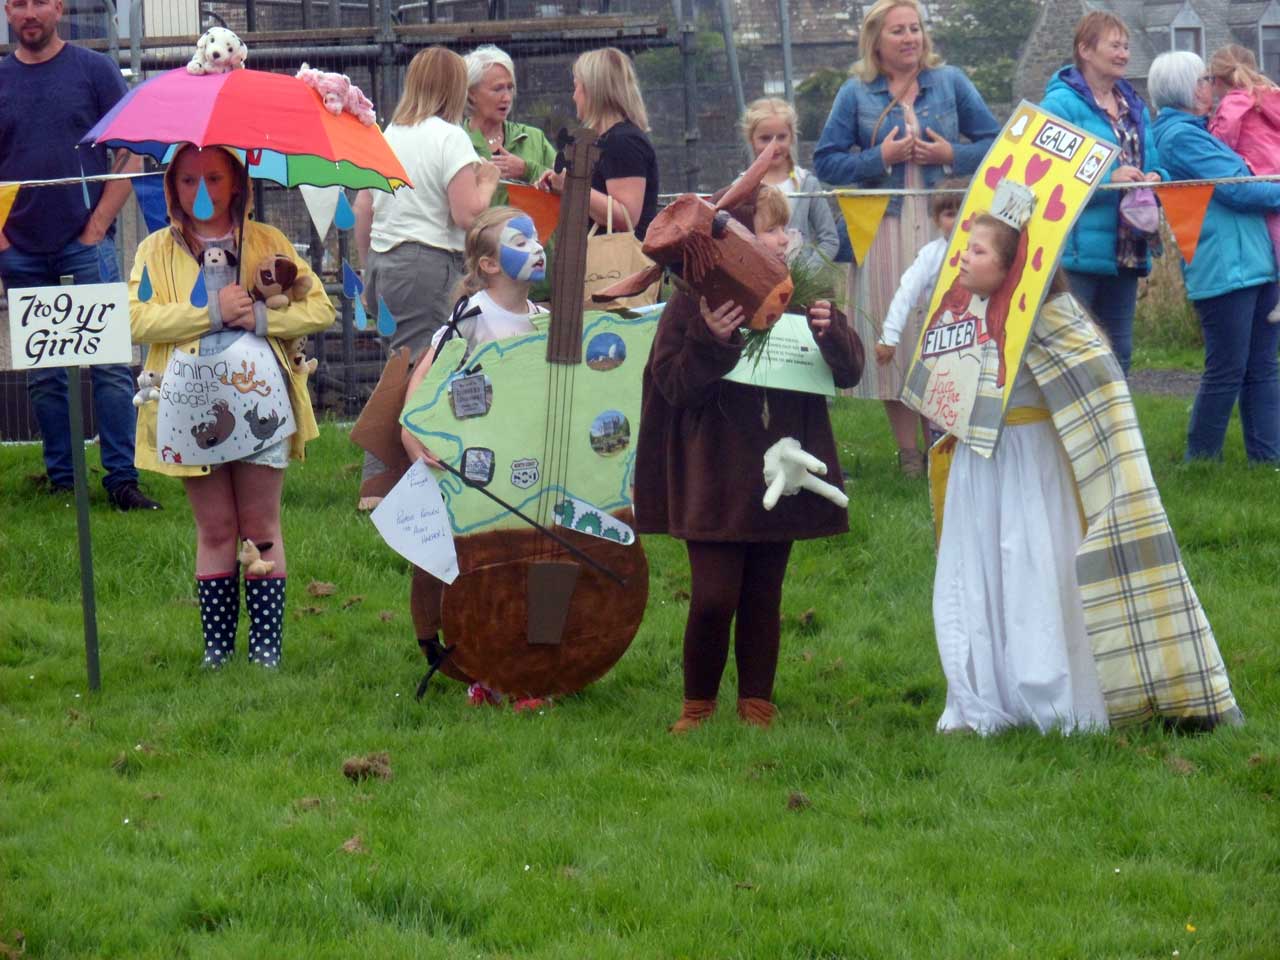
x=280 y=122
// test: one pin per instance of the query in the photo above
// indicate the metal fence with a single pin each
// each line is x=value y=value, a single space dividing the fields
x=686 y=68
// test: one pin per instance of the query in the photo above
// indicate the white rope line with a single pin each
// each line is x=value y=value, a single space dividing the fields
x=668 y=197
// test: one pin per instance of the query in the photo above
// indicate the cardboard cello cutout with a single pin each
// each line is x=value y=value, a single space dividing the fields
x=721 y=259
x=552 y=582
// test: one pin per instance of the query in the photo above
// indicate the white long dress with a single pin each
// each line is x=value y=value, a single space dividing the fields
x=1006 y=605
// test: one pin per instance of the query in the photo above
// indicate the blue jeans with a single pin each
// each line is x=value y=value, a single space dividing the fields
x=1239 y=362
x=1112 y=301
x=113 y=385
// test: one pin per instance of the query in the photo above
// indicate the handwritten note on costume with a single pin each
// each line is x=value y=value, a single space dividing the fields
x=413 y=520
x=791 y=360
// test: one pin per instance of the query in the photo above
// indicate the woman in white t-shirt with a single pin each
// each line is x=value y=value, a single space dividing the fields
x=412 y=240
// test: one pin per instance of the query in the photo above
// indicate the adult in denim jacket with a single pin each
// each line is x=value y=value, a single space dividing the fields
x=1231 y=280
x=899 y=121
x=1104 y=256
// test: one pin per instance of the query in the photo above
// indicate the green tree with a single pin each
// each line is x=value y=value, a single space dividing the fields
x=984 y=38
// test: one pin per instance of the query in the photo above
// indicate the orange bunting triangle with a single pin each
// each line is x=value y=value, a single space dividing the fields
x=862 y=216
x=8 y=194
x=544 y=207
x=1184 y=208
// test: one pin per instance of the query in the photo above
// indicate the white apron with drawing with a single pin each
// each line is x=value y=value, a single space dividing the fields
x=223 y=406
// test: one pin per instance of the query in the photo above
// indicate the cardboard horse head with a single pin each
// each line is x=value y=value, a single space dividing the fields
x=721 y=257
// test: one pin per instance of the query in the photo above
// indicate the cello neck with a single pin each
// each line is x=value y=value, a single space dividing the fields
x=564 y=335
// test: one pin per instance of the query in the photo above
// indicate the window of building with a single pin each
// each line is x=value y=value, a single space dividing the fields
x=1189 y=38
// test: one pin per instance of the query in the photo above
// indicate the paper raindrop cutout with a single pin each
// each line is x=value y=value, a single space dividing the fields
x=144 y=285
x=386 y=322
x=199 y=292
x=352 y=285
x=362 y=319
x=203 y=207
x=344 y=218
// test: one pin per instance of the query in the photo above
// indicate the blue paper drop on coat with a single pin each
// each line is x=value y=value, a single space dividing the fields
x=203 y=207
x=199 y=292
x=352 y=285
x=362 y=319
x=344 y=218
x=144 y=286
x=386 y=322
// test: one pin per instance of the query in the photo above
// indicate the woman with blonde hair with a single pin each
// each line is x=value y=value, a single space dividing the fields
x=608 y=100
x=898 y=122
x=412 y=240
x=769 y=121
x=1247 y=120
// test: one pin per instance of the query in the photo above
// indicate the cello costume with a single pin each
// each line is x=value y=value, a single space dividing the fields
x=698 y=478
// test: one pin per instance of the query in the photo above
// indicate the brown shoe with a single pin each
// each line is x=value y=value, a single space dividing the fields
x=692 y=715
x=756 y=712
x=911 y=462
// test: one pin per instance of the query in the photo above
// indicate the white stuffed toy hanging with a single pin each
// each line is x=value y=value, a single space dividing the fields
x=218 y=50
x=787 y=472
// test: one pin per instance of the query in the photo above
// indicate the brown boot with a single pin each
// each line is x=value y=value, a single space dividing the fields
x=756 y=712
x=692 y=715
x=911 y=462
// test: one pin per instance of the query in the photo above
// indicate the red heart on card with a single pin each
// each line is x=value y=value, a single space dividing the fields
x=1055 y=209
x=1022 y=302
x=995 y=174
x=968 y=222
x=1037 y=167
x=1038 y=259
x=955 y=258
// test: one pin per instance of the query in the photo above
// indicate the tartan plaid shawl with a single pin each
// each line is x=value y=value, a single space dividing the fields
x=1154 y=648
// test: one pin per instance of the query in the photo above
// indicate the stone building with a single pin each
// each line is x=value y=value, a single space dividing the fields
x=1155 y=26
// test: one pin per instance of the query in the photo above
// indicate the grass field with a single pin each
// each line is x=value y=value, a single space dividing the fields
x=185 y=814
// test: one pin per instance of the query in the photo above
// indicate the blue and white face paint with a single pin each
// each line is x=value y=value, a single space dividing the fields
x=519 y=253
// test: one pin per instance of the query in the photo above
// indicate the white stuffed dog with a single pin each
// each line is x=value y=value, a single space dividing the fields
x=218 y=51
x=148 y=388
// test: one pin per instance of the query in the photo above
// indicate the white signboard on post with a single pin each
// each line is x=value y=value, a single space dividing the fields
x=71 y=326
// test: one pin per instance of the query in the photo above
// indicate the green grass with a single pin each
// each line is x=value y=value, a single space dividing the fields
x=183 y=814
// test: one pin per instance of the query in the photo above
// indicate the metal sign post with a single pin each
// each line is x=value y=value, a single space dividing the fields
x=71 y=326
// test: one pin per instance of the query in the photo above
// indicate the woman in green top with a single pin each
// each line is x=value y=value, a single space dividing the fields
x=520 y=152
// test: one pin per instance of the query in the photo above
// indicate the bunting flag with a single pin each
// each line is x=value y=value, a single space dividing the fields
x=862 y=216
x=7 y=195
x=322 y=204
x=544 y=207
x=1184 y=208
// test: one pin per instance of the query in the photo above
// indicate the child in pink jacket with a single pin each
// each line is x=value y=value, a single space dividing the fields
x=1247 y=119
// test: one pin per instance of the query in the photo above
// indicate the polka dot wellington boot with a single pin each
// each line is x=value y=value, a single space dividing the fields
x=264 y=599
x=219 y=614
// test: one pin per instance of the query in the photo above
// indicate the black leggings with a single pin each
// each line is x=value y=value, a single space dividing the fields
x=733 y=578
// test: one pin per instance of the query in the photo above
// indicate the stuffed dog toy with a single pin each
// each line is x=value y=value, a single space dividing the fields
x=277 y=281
x=218 y=51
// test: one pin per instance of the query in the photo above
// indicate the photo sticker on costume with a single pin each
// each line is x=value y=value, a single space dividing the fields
x=1092 y=164
x=470 y=395
x=524 y=473
x=224 y=406
x=610 y=433
x=477 y=465
x=605 y=351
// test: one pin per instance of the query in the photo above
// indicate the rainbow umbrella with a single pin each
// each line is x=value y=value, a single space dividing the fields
x=279 y=122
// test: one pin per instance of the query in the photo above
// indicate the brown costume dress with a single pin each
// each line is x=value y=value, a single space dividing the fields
x=699 y=477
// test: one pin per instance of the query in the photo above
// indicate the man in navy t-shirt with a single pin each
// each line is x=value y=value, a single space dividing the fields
x=51 y=94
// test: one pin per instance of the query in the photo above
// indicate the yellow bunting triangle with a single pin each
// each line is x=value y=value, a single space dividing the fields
x=862 y=216
x=7 y=195
x=1184 y=209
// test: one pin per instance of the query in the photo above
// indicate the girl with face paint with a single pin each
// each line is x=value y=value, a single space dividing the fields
x=503 y=259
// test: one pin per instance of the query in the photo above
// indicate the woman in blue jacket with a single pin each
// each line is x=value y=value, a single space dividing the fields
x=1104 y=256
x=898 y=122
x=1231 y=278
